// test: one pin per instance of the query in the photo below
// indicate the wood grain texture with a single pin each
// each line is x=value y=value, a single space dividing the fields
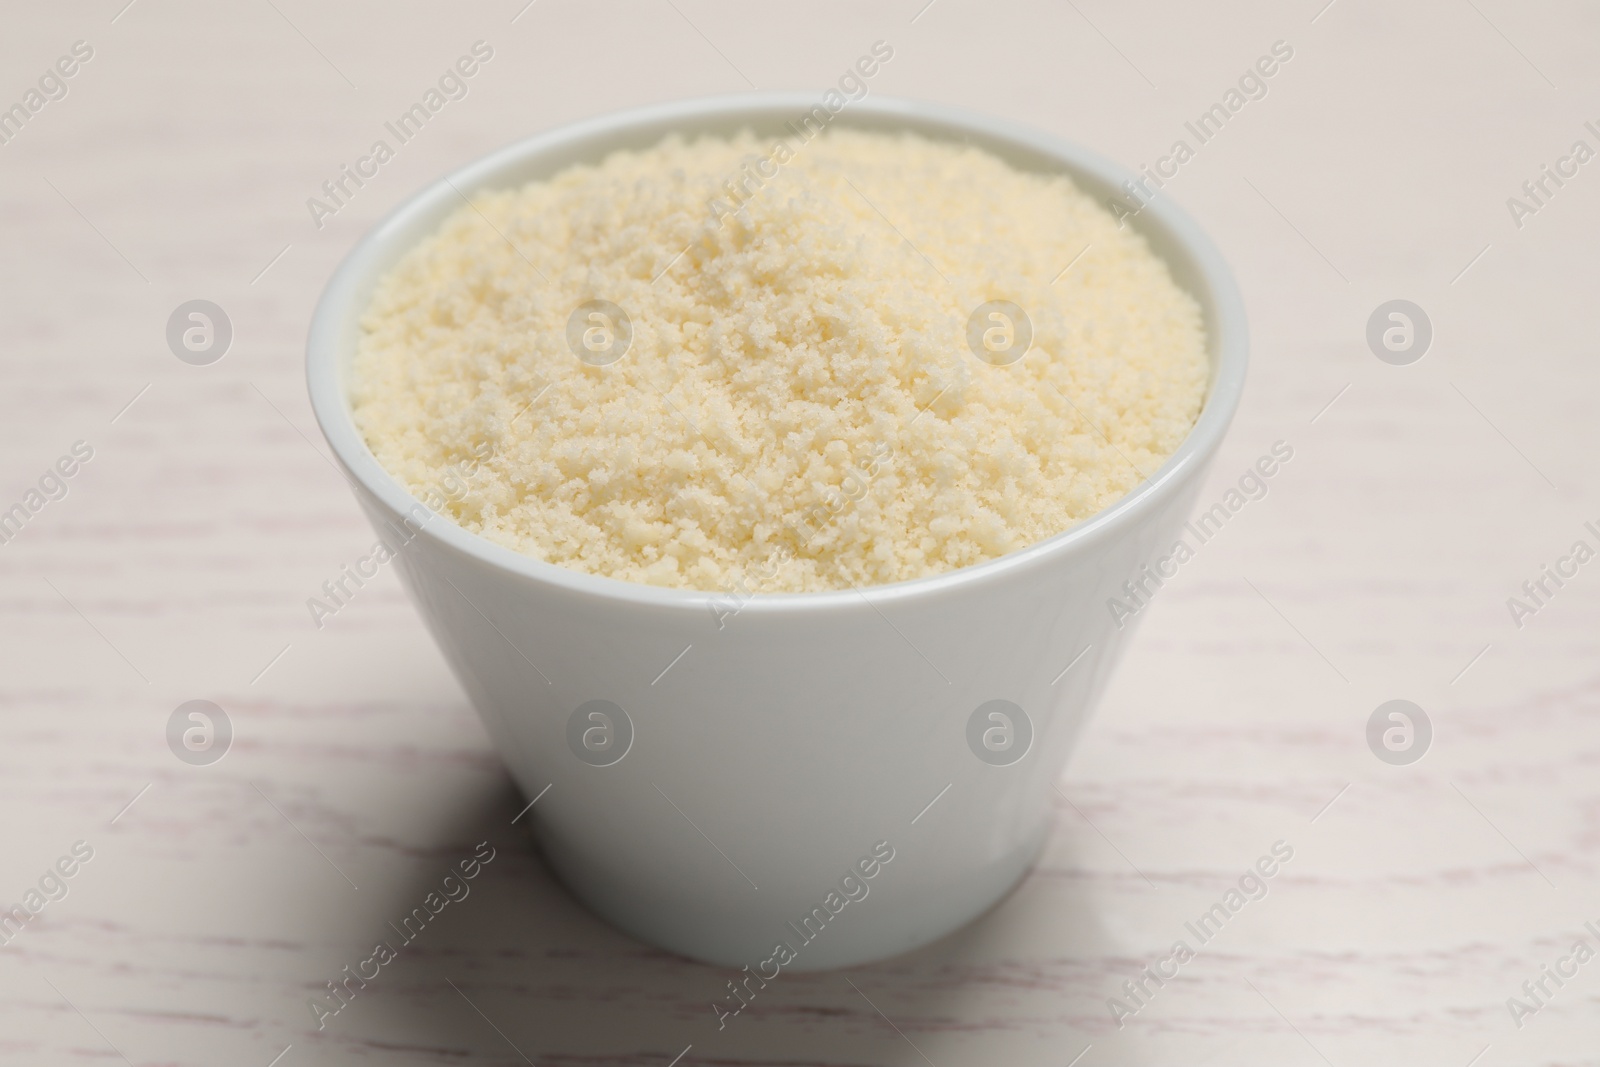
x=177 y=567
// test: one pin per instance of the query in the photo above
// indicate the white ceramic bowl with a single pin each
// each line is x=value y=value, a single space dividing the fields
x=794 y=737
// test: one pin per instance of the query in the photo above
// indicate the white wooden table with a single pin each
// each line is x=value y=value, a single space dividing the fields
x=219 y=898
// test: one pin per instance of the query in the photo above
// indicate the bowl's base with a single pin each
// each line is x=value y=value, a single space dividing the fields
x=907 y=919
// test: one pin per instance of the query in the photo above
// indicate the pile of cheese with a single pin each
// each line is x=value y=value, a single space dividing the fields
x=800 y=405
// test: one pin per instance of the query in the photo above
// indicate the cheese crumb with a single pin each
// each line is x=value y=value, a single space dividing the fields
x=798 y=407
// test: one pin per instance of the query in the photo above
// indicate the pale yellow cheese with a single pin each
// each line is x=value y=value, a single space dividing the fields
x=798 y=408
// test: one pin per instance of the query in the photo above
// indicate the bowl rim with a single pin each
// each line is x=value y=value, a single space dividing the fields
x=342 y=303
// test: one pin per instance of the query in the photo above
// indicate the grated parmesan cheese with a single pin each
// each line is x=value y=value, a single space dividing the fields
x=798 y=407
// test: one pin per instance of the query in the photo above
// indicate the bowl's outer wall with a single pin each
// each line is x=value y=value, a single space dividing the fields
x=796 y=733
